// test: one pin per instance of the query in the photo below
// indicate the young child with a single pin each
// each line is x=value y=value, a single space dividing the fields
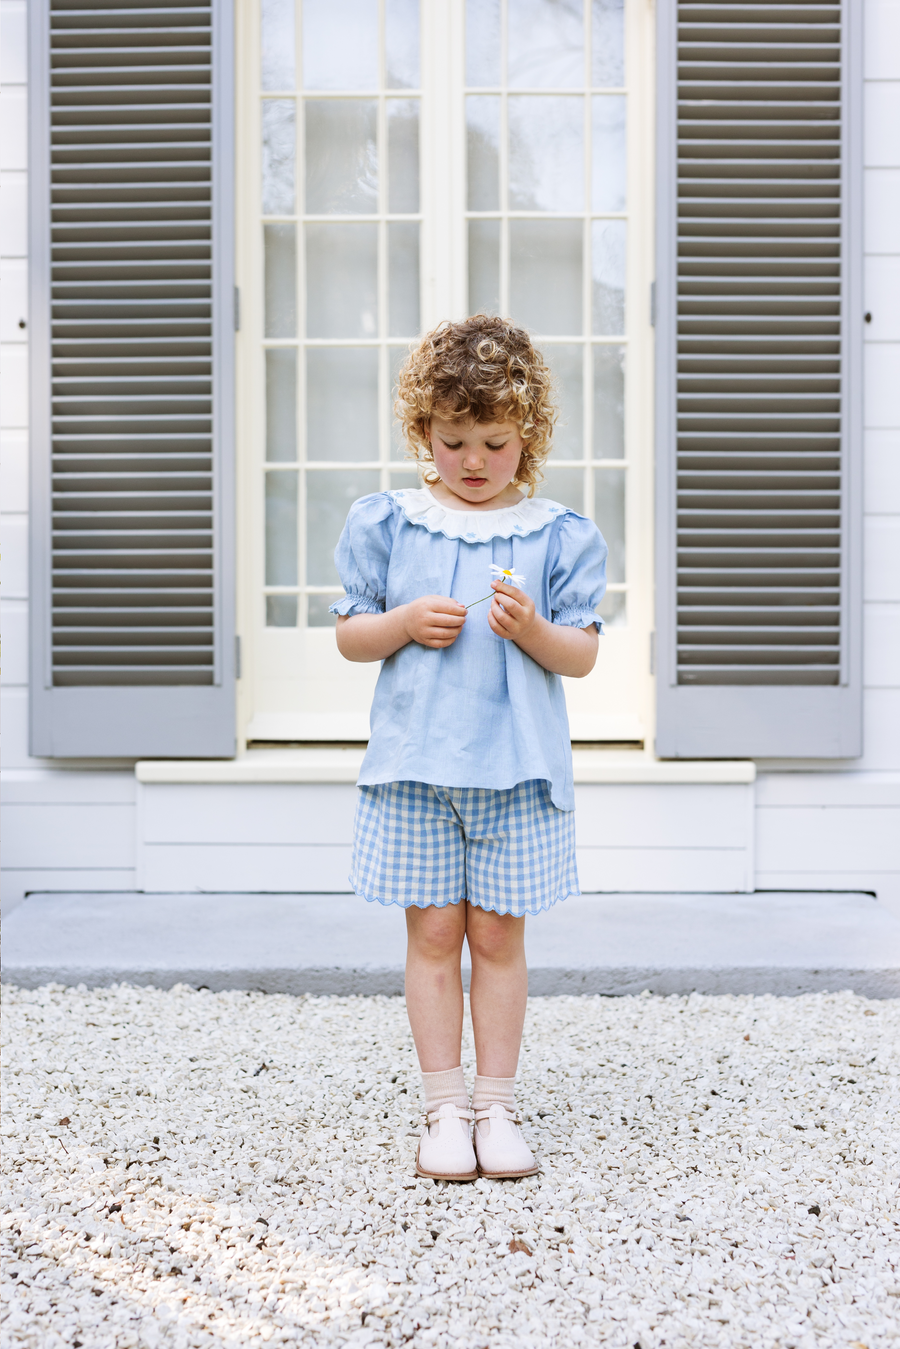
x=465 y=813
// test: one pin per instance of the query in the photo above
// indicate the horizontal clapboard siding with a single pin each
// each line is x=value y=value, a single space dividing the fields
x=756 y=367
x=134 y=153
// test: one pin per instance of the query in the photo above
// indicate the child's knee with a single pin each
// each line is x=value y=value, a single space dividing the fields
x=436 y=933
x=494 y=936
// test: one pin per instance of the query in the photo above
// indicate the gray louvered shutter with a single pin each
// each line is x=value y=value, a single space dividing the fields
x=759 y=381
x=132 y=332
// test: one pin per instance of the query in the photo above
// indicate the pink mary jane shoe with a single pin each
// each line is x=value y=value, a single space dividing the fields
x=445 y=1148
x=502 y=1152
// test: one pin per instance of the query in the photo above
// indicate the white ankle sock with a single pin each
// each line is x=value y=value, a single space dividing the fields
x=491 y=1089
x=439 y=1088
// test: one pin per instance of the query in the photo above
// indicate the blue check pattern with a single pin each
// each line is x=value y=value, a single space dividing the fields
x=508 y=851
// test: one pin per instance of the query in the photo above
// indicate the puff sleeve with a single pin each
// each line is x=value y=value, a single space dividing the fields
x=363 y=553
x=578 y=573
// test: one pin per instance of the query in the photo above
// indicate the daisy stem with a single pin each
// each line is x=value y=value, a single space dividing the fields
x=481 y=601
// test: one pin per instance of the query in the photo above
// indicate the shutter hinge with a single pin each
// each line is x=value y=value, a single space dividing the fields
x=237 y=309
x=237 y=657
x=652 y=304
x=653 y=653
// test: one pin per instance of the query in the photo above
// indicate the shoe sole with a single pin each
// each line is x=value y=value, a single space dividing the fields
x=509 y=1175
x=439 y=1175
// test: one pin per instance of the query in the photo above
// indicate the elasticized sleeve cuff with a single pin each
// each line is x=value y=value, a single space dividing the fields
x=578 y=616
x=355 y=604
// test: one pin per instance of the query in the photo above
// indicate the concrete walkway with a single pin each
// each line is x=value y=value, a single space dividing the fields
x=762 y=943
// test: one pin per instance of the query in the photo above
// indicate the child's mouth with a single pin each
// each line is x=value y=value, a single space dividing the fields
x=474 y=482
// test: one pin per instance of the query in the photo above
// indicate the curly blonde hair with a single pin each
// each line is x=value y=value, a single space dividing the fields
x=483 y=369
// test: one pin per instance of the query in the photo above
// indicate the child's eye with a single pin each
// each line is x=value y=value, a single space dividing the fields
x=496 y=447
x=449 y=446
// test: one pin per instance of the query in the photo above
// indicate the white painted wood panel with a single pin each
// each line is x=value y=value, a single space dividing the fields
x=881 y=208
x=240 y=867
x=16 y=884
x=882 y=300
x=70 y=787
x=881 y=535
x=13 y=215
x=264 y=813
x=13 y=42
x=13 y=299
x=881 y=363
x=882 y=472
x=881 y=646
x=881 y=55
x=698 y=870
x=881 y=118
x=13 y=128
x=855 y=790
x=14 y=545
x=86 y=835
x=14 y=622
x=671 y=816
x=14 y=472
x=14 y=384
x=14 y=720
x=828 y=838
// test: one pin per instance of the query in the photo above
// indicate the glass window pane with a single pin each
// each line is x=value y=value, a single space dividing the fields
x=608 y=153
x=403 y=278
x=608 y=275
x=281 y=404
x=280 y=249
x=340 y=44
x=546 y=44
x=342 y=403
x=281 y=611
x=404 y=478
x=396 y=357
x=278 y=151
x=612 y=609
x=565 y=485
x=483 y=43
x=281 y=528
x=277 y=42
x=545 y=275
x=546 y=154
x=341 y=290
x=330 y=493
x=609 y=402
x=403 y=154
x=401 y=24
x=341 y=156
x=483 y=152
x=608 y=44
x=567 y=363
x=318 y=615
x=609 y=512
x=484 y=266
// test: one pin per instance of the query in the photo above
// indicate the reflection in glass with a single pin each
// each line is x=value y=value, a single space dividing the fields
x=609 y=402
x=484 y=266
x=609 y=512
x=608 y=153
x=545 y=275
x=342 y=403
x=278 y=150
x=546 y=153
x=281 y=611
x=400 y=479
x=483 y=43
x=403 y=154
x=277 y=69
x=403 y=278
x=396 y=357
x=401 y=35
x=607 y=44
x=281 y=528
x=567 y=363
x=340 y=44
x=329 y=495
x=612 y=609
x=546 y=44
x=608 y=276
x=281 y=404
x=341 y=156
x=483 y=151
x=341 y=290
x=317 y=611
x=280 y=265
x=565 y=485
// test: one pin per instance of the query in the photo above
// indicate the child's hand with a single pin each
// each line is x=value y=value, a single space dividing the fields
x=515 y=616
x=434 y=620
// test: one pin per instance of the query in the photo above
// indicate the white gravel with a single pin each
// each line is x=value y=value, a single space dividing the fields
x=718 y=1171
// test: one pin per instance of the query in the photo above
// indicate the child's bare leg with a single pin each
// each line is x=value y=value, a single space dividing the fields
x=434 y=994
x=499 y=990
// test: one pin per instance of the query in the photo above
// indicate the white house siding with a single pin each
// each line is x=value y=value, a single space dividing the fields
x=804 y=826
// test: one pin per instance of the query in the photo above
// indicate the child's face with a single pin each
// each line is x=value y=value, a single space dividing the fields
x=477 y=461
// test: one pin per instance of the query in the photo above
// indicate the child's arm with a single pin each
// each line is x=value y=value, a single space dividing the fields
x=561 y=650
x=432 y=620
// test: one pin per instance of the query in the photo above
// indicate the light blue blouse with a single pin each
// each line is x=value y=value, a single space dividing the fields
x=480 y=713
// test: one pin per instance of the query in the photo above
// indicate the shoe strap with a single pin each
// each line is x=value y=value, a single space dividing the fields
x=511 y=1115
x=435 y=1116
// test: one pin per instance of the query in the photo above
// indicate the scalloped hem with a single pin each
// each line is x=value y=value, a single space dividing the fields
x=486 y=908
x=526 y=517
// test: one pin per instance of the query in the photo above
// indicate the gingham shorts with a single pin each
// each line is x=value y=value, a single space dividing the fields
x=508 y=851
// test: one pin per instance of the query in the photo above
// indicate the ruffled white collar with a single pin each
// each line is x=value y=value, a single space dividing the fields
x=422 y=508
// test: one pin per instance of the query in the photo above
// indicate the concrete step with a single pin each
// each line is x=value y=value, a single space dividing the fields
x=783 y=943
